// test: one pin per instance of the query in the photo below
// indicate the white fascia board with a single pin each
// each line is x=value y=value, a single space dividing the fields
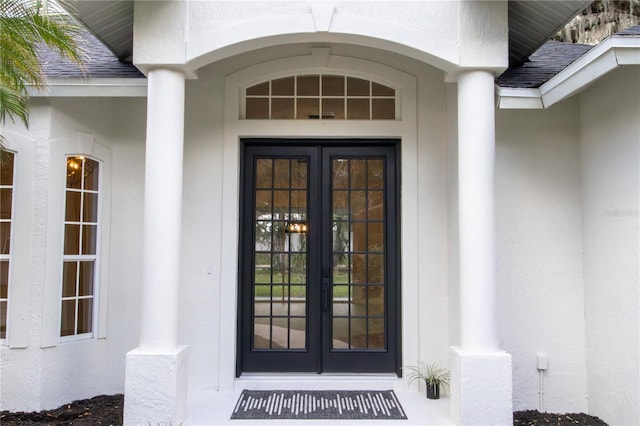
x=510 y=98
x=93 y=87
x=628 y=50
x=585 y=70
x=600 y=60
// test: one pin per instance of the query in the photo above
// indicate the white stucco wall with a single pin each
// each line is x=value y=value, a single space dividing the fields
x=539 y=246
x=444 y=34
x=610 y=137
x=200 y=301
x=46 y=373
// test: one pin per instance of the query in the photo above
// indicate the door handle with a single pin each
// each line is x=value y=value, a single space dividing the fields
x=325 y=295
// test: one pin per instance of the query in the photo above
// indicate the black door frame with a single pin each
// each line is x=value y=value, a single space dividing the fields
x=320 y=358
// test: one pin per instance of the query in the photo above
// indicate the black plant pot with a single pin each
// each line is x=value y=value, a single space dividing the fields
x=433 y=391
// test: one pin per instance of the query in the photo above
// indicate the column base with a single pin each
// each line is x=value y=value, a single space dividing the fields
x=481 y=388
x=155 y=388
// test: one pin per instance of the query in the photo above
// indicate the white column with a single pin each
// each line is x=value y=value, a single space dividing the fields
x=162 y=210
x=481 y=388
x=156 y=371
x=476 y=163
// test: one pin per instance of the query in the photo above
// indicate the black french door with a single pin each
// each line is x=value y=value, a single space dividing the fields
x=319 y=257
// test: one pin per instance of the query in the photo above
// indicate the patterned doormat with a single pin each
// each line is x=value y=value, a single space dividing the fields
x=278 y=404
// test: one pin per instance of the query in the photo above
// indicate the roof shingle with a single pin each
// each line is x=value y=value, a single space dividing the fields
x=101 y=63
x=550 y=59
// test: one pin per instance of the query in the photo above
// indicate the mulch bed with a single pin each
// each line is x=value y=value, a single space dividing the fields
x=534 y=417
x=107 y=411
x=102 y=410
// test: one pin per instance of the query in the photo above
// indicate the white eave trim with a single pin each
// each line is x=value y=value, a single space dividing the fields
x=603 y=58
x=92 y=87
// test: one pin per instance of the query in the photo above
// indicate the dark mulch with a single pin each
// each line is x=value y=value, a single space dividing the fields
x=102 y=410
x=534 y=417
x=107 y=411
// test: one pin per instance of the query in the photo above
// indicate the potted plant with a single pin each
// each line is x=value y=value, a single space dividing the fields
x=433 y=375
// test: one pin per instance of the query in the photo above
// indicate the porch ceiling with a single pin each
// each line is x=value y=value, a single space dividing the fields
x=530 y=23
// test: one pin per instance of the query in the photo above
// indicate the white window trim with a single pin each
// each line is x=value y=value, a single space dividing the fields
x=85 y=145
x=21 y=225
x=344 y=97
x=7 y=257
x=80 y=257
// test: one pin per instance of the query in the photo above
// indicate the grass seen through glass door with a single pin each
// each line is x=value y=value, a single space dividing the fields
x=296 y=287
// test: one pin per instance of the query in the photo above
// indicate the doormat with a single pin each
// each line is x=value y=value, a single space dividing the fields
x=278 y=404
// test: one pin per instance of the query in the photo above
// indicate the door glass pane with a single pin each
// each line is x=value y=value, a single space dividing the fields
x=358 y=205
x=280 y=257
x=264 y=172
x=358 y=243
x=375 y=204
x=281 y=174
x=340 y=173
x=358 y=337
x=375 y=333
x=263 y=203
x=376 y=300
x=358 y=176
x=298 y=335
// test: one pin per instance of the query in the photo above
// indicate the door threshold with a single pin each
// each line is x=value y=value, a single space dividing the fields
x=313 y=381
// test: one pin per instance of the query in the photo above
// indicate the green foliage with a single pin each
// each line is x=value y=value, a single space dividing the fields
x=599 y=20
x=24 y=25
x=431 y=373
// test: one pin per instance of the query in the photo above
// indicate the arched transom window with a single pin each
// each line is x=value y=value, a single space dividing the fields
x=323 y=97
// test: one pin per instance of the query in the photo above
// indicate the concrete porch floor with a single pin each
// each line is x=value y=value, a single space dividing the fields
x=214 y=408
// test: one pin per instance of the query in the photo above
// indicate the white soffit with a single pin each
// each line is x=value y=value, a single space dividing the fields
x=611 y=53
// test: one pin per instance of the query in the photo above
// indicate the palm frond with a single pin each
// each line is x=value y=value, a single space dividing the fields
x=23 y=27
x=12 y=103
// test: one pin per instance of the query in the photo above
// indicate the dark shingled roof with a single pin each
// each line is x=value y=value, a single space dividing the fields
x=633 y=31
x=549 y=60
x=101 y=63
